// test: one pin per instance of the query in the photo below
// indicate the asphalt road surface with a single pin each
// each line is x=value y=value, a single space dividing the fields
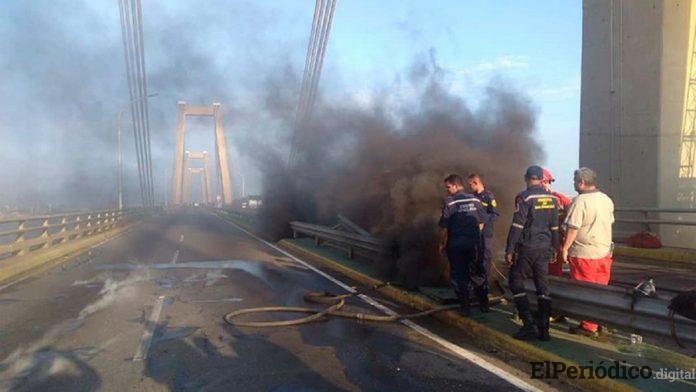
x=144 y=312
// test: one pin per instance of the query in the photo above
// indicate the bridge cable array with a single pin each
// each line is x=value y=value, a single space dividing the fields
x=314 y=61
x=133 y=47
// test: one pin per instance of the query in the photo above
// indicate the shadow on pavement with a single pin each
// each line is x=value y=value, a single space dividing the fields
x=51 y=370
x=250 y=363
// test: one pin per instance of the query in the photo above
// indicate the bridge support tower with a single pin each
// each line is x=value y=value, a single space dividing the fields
x=222 y=163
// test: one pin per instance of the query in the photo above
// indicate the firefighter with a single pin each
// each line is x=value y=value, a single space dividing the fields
x=460 y=236
x=556 y=265
x=480 y=274
x=531 y=244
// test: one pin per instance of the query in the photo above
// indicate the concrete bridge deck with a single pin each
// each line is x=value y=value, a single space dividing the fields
x=144 y=312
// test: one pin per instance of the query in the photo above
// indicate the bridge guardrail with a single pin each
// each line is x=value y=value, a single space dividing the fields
x=616 y=306
x=31 y=233
x=611 y=305
x=349 y=241
x=645 y=220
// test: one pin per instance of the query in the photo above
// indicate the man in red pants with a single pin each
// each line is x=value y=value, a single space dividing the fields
x=587 y=246
x=563 y=201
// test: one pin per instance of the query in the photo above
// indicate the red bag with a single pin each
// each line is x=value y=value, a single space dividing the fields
x=644 y=240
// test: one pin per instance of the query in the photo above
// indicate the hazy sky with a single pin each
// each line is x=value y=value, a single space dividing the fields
x=63 y=82
x=532 y=46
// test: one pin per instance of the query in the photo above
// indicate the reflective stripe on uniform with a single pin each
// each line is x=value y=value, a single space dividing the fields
x=547 y=195
x=519 y=295
x=519 y=226
x=463 y=201
x=554 y=228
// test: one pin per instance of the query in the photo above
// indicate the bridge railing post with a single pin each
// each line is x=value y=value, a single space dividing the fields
x=44 y=234
x=21 y=237
x=63 y=229
x=76 y=229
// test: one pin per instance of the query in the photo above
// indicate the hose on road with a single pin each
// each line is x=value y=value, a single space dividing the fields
x=335 y=303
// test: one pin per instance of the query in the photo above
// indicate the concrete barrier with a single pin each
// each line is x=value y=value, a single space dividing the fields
x=18 y=267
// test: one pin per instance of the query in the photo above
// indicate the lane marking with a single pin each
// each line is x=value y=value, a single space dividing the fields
x=201 y=301
x=458 y=350
x=146 y=340
x=175 y=258
x=181 y=238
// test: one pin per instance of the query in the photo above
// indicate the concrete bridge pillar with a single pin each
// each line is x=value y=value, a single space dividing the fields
x=636 y=108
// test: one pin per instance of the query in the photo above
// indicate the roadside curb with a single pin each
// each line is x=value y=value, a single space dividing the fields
x=472 y=329
x=666 y=257
x=41 y=260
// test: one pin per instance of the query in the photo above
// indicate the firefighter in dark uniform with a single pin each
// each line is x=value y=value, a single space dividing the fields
x=480 y=275
x=531 y=244
x=460 y=236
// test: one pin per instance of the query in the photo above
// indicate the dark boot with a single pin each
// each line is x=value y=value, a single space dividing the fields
x=528 y=330
x=543 y=320
x=482 y=295
x=464 y=307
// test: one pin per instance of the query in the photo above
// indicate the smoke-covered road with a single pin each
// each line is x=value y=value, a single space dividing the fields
x=87 y=325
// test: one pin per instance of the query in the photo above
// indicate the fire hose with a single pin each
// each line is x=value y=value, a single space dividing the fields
x=335 y=302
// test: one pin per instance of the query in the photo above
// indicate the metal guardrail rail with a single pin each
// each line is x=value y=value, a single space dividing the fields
x=610 y=305
x=657 y=209
x=646 y=221
x=347 y=240
x=346 y=223
x=22 y=235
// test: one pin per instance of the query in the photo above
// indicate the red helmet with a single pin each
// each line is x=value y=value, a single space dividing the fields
x=547 y=176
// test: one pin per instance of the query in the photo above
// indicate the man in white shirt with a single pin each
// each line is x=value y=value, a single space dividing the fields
x=587 y=246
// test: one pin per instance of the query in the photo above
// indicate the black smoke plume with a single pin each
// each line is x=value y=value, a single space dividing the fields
x=383 y=165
